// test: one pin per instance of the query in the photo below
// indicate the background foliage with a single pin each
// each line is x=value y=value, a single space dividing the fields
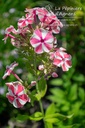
x=67 y=91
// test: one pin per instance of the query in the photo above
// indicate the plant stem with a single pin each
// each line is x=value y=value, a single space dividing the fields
x=40 y=102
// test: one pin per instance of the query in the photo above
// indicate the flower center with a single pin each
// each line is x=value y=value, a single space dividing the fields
x=42 y=40
x=16 y=96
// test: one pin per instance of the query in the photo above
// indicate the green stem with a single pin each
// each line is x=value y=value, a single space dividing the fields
x=40 y=102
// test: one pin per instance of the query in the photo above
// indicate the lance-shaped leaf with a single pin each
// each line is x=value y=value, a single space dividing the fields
x=36 y=116
x=42 y=88
x=52 y=117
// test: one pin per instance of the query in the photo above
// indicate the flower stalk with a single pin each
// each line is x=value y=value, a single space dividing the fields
x=35 y=38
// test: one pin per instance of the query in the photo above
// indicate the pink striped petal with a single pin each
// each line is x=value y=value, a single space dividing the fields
x=57 y=62
x=10 y=98
x=38 y=33
x=47 y=47
x=17 y=104
x=19 y=88
x=34 y=42
x=68 y=62
x=39 y=49
x=11 y=89
x=23 y=98
x=64 y=67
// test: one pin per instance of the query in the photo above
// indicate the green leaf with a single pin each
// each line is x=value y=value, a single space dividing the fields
x=56 y=82
x=58 y=95
x=58 y=116
x=51 y=109
x=81 y=94
x=79 y=77
x=54 y=118
x=49 y=125
x=73 y=92
x=51 y=120
x=42 y=88
x=22 y=117
x=36 y=116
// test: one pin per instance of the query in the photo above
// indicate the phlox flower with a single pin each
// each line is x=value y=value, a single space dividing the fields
x=54 y=74
x=8 y=32
x=23 y=22
x=33 y=83
x=49 y=21
x=32 y=13
x=41 y=12
x=42 y=40
x=41 y=67
x=16 y=94
x=9 y=69
x=61 y=59
x=10 y=29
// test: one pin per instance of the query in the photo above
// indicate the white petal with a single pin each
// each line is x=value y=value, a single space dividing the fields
x=49 y=40
x=20 y=93
x=36 y=36
x=10 y=92
x=22 y=102
x=44 y=33
x=15 y=103
x=45 y=48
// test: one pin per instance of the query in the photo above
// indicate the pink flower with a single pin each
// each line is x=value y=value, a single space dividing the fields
x=54 y=74
x=23 y=22
x=61 y=59
x=9 y=30
x=53 y=54
x=42 y=41
x=17 y=95
x=41 y=12
x=32 y=14
x=33 y=83
x=41 y=67
x=9 y=69
x=49 y=21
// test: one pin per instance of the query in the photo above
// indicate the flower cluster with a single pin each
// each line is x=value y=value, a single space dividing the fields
x=35 y=37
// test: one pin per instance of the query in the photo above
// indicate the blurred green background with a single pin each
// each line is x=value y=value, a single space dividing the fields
x=67 y=91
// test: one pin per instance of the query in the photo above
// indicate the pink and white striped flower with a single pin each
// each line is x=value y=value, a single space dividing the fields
x=9 y=30
x=23 y=22
x=53 y=54
x=32 y=13
x=9 y=69
x=61 y=59
x=17 y=95
x=41 y=12
x=49 y=21
x=42 y=40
